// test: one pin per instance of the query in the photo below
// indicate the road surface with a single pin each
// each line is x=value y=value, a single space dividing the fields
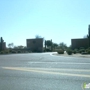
x=42 y=71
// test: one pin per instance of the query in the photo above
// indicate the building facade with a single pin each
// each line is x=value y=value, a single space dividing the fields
x=2 y=44
x=35 y=45
x=78 y=43
x=83 y=42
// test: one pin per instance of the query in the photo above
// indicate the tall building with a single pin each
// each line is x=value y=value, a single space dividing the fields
x=35 y=45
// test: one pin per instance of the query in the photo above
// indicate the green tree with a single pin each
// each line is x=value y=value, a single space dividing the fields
x=19 y=47
x=10 y=45
x=63 y=46
x=86 y=36
x=70 y=47
x=48 y=43
x=55 y=45
x=37 y=36
x=45 y=44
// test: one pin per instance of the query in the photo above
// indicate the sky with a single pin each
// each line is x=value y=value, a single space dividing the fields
x=59 y=20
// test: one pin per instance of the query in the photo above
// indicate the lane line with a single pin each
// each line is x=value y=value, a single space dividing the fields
x=61 y=69
x=46 y=72
x=59 y=62
x=55 y=69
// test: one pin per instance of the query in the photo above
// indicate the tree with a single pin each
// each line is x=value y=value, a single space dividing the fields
x=45 y=44
x=19 y=47
x=86 y=36
x=70 y=47
x=63 y=46
x=55 y=45
x=10 y=45
x=37 y=36
x=48 y=43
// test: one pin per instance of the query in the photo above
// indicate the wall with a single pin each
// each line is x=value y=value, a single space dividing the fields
x=35 y=44
x=3 y=46
x=77 y=43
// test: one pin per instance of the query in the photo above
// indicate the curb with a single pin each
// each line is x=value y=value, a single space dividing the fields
x=63 y=55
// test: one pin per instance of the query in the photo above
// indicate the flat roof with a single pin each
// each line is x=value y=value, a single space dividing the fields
x=34 y=38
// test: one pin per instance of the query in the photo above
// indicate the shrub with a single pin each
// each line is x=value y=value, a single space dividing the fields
x=48 y=50
x=88 y=51
x=13 y=51
x=26 y=51
x=69 y=51
x=2 y=52
x=89 y=48
x=81 y=50
x=74 y=51
x=6 y=51
x=84 y=53
x=60 y=51
x=29 y=51
x=19 y=51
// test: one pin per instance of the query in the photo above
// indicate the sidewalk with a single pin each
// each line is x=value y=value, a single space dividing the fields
x=73 y=55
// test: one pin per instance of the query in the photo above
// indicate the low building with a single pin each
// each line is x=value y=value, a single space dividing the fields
x=82 y=42
x=2 y=44
x=35 y=45
x=78 y=43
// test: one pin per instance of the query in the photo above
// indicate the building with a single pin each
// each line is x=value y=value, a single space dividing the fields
x=2 y=44
x=35 y=45
x=78 y=43
x=83 y=42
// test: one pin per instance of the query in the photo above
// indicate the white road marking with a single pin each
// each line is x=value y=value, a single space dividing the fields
x=47 y=72
x=60 y=63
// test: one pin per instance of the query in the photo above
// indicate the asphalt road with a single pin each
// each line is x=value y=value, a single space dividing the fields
x=43 y=71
